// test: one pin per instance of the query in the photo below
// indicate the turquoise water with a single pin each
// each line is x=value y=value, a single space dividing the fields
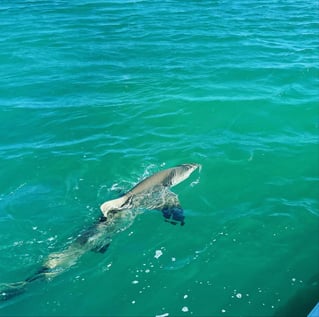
x=96 y=95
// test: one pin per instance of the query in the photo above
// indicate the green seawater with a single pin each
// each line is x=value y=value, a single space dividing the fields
x=95 y=95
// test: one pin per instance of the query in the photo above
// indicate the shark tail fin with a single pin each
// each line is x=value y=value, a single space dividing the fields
x=113 y=205
x=8 y=291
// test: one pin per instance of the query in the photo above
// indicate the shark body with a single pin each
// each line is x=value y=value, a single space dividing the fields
x=151 y=193
x=154 y=193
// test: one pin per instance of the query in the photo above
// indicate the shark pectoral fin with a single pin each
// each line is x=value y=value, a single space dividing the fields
x=101 y=249
x=173 y=214
x=172 y=210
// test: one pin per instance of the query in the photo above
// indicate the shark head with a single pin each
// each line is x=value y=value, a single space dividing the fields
x=182 y=172
x=166 y=178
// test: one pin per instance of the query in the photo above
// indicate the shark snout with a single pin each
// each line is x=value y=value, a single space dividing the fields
x=192 y=166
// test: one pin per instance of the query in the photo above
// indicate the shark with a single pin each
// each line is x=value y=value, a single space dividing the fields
x=153 y=192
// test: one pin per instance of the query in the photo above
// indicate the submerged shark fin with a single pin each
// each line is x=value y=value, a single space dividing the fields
x=8 y=291
x=173 y=214
x=101 y=249
x=172 y=210
x=11 y=290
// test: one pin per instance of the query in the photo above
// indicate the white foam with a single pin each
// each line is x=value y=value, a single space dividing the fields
x=158 y=253
x=163 y=315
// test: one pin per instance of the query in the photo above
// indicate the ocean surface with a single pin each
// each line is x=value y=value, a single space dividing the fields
x=96 y=95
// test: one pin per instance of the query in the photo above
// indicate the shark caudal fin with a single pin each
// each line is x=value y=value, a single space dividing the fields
x=8 y=291
x=113 y=205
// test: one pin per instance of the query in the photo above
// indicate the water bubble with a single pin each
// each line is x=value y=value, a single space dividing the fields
x=185 y=309
x=158 y=253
